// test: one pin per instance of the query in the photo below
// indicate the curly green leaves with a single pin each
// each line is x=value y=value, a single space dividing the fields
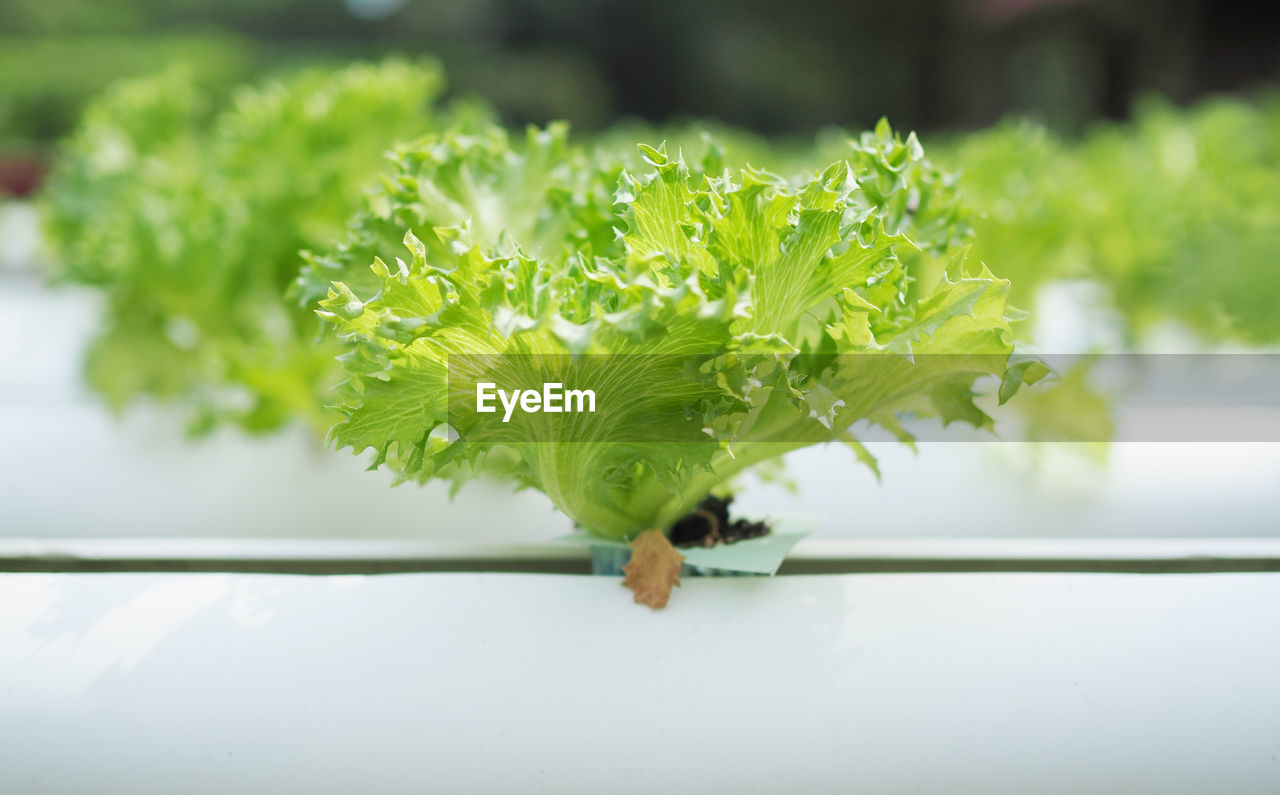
x=487 y=191
x=190 y=217
x=732 y=317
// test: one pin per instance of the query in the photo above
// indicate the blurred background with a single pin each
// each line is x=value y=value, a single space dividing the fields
x=71 y=468
x=926 y=64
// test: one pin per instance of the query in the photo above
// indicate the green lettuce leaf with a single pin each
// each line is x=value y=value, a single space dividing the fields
x=188 y=211
x=730 y=317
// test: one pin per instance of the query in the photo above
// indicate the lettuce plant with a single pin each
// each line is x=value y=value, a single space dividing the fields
x=473 y=178
x=187 y=212
x=1177 y=212
x=724 y=317
x=1184 y=220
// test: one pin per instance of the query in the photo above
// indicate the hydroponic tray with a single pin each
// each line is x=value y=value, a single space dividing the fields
x=927 y=682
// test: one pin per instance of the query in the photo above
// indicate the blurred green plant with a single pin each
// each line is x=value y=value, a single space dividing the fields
x=1177 y=213
x=188 y=213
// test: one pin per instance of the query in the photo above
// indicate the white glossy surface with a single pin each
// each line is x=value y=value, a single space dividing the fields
x=873 y=683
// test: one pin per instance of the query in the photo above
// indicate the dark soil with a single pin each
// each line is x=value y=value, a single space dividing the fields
x=709 y=525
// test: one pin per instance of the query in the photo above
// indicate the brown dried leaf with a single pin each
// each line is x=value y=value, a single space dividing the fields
x=654 y=568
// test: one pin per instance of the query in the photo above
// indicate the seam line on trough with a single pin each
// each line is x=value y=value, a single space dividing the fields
x=63 y=564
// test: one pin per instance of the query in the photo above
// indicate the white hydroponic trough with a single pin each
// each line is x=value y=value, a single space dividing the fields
x=497 y=682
